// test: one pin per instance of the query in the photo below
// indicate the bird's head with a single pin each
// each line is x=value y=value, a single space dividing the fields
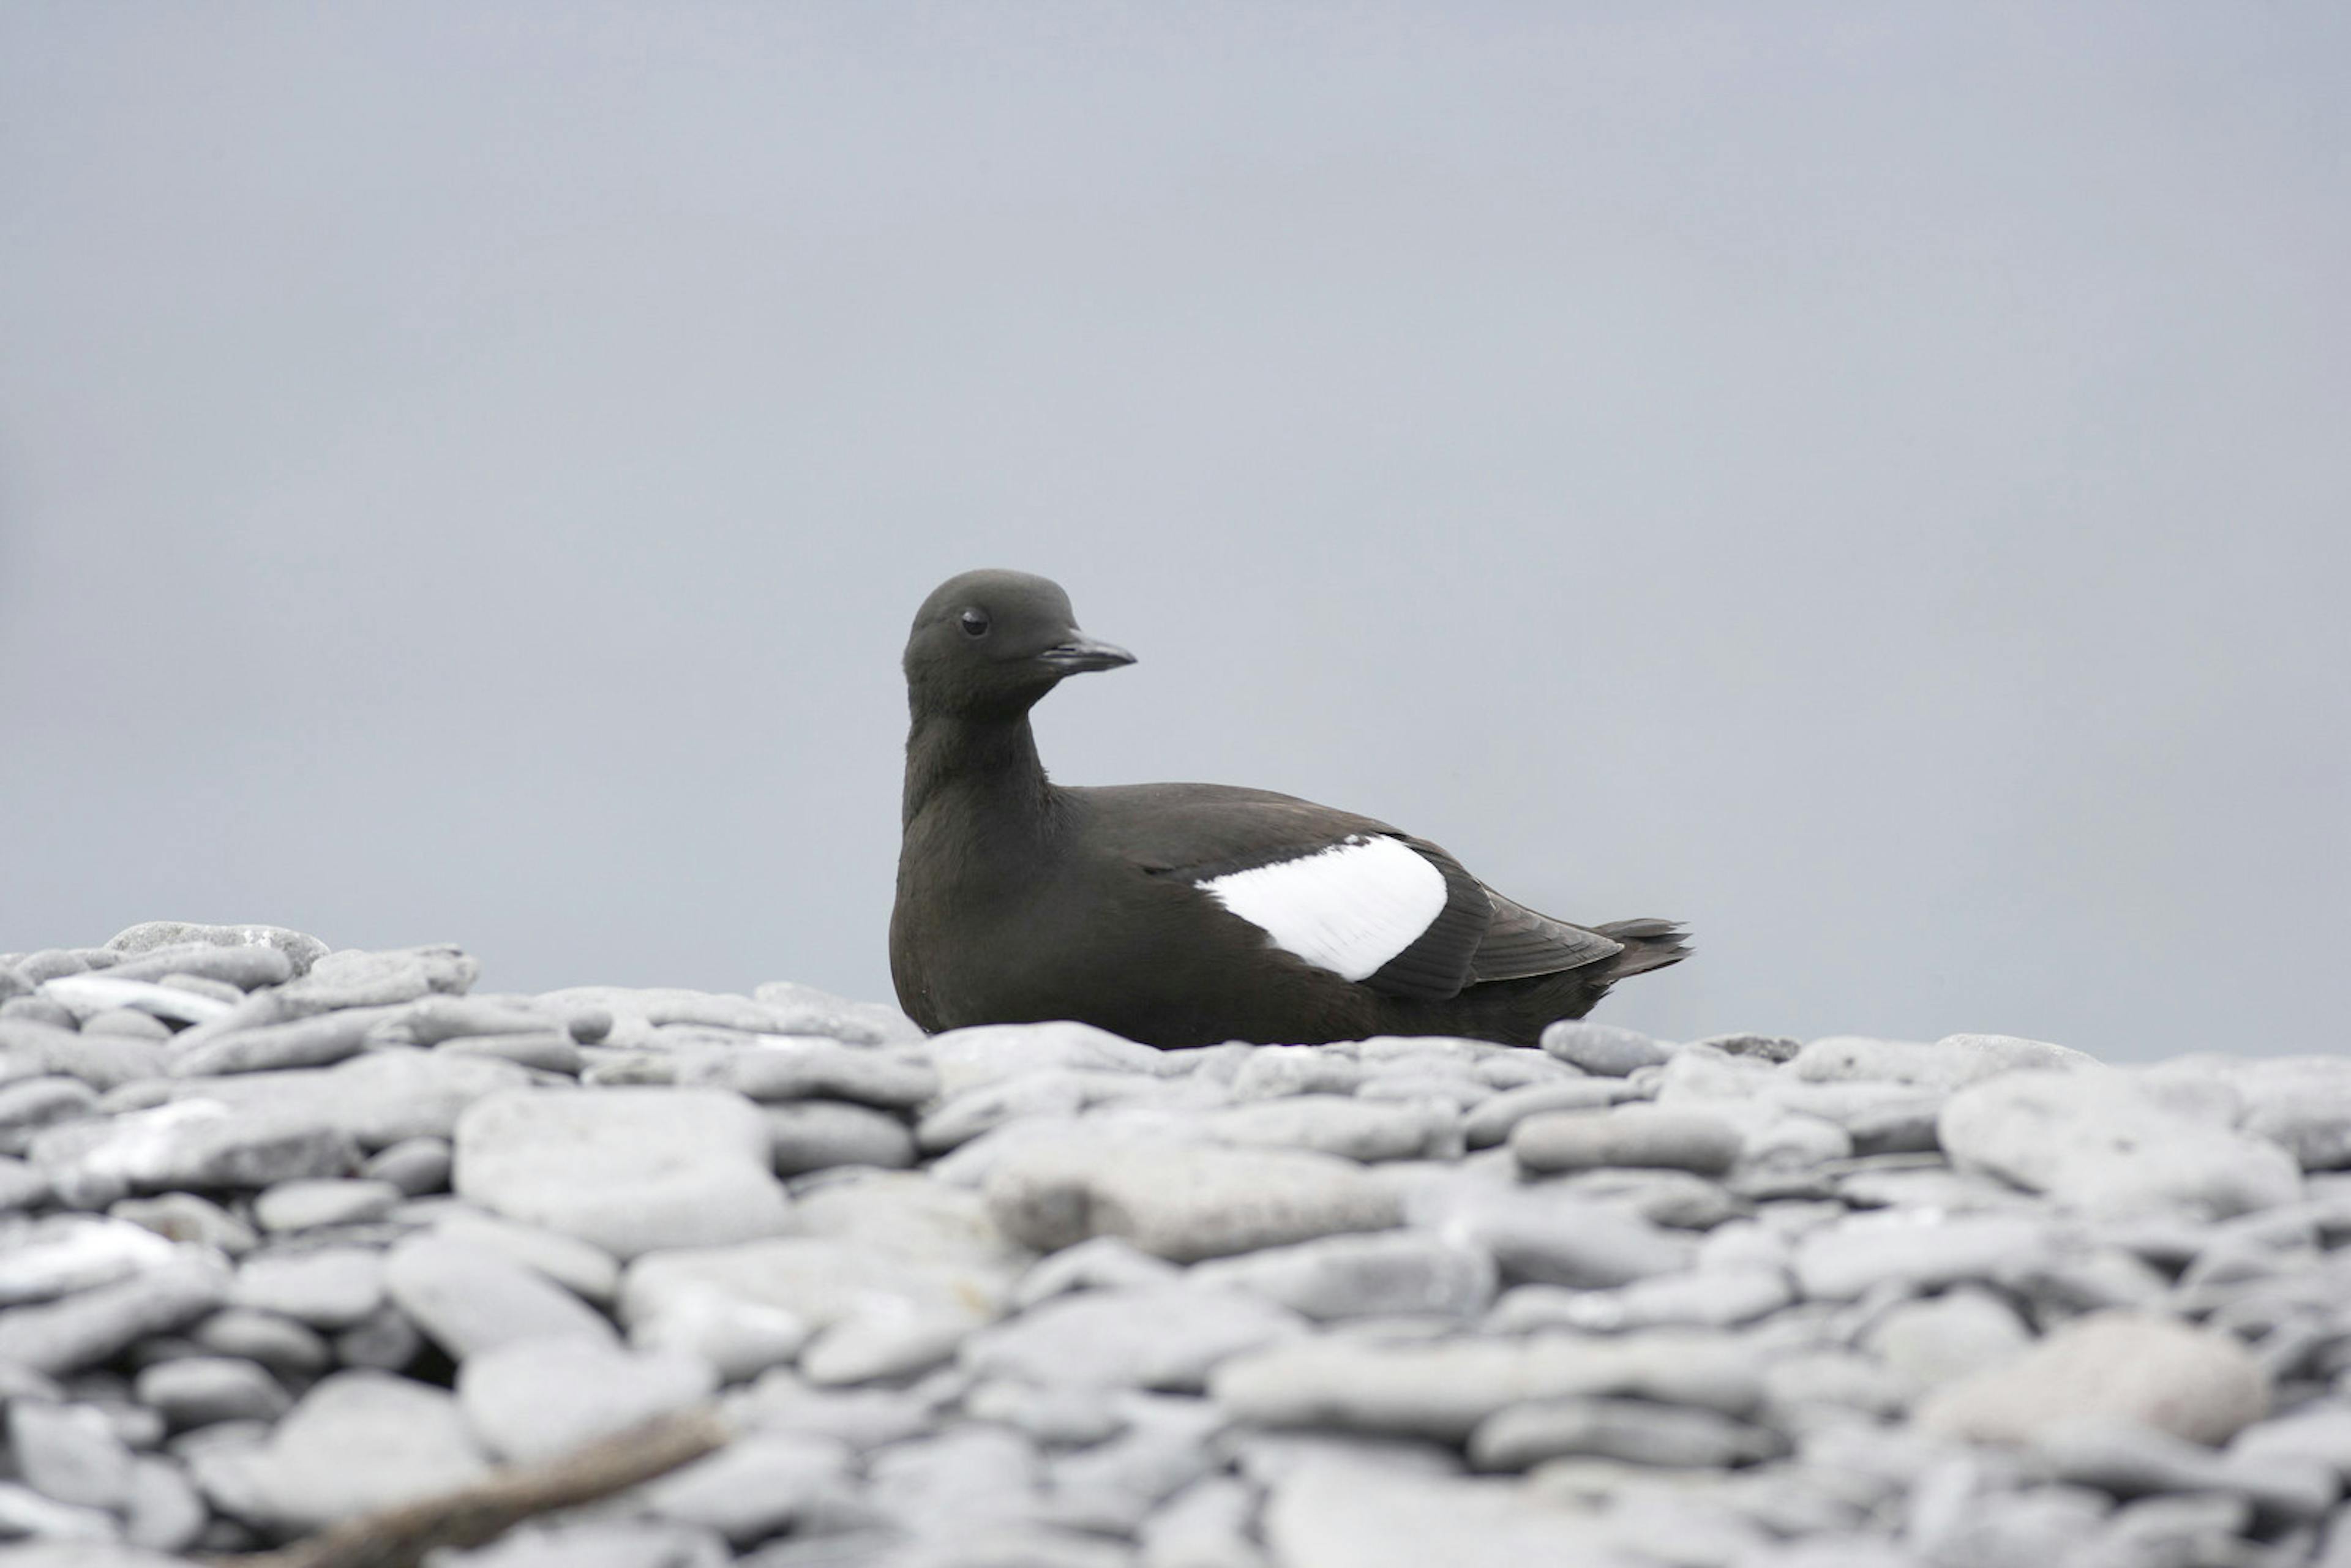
x=990 y=644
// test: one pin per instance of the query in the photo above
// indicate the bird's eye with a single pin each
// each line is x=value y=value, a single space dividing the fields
x=974 y=623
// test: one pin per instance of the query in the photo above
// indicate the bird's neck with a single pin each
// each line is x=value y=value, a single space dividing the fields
x=985 y=764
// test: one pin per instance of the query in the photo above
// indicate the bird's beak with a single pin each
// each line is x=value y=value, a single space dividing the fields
x=1078 y=653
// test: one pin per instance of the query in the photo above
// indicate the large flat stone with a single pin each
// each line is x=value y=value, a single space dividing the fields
x=533 y=1399
x=91 y=1326
x=1543 y=1234
x=85 y=995
x=629 y=1170
x=1943 y=1338
x=908 y=1214
x=246 y=966
x=1155 y=1336
x=1352 y=1129
x=316 y=1041
x=69 y=1453
x=592 y=1540
x=589 y=1273
x=300 y=951
x=1952 y=1062
x=1604 y=1050
x=635 y=1009
x=30 y=1047
x=1182 y=1202
x=1377 y=1274
x=1637 y=1431
x=2095 y=1140
x=819 y=1135
x=1444 y=1389
x=357 y=1441
x=199 y=1390
x=815 y=1068
x=62 y=1253
x=1631 y=1137
x=378 y=1098
x=2302 y=1103
x=1703 y=1298
x=470 y=1297
x=1921 y=1250
x=967 y=1057
x=756 y=1487
x=1333 y=1514
x=779 y=1290
x=30 y=1104
x=2193 y=1382
x=353 y=977
x=191 y=1144
x=324 y=1287
x=1046 y=1093
x=877 y=1022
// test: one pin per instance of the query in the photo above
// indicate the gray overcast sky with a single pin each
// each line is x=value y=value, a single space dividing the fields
x=1869 y=481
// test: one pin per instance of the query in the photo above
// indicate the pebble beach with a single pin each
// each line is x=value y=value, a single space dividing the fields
x=291 y=1236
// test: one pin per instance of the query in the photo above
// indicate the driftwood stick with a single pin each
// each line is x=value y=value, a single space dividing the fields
x=400 y=1537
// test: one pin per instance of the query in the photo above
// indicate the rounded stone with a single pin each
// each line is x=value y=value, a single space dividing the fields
x=1604 y=1050
x=587 y=1271
x=69 y=1453
x=127 y=1022
x=31 y=1103
x=308 y=1205
x=2193 y=1382
x=387 y=1340
x=817 y=1134
x=1492 y=1121
x=199 y=1390
x=276 y=1342
x=1637 y=1431
x=1634 y=1136
x=414 y=1166
x=547 y=1049
x=184 y=1217
x=1934 y=1342
x=331 y=1287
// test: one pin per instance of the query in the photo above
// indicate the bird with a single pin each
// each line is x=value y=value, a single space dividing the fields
x=1185 y=914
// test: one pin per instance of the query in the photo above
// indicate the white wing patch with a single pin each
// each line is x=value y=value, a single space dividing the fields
x=1349 y=908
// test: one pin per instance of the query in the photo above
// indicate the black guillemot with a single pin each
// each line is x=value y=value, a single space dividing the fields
x=1182 y=915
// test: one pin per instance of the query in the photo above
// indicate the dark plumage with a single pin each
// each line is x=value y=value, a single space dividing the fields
x=1019 y=900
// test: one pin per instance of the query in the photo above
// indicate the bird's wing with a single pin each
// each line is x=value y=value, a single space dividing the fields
x=1345 y=893
x=1521 y=944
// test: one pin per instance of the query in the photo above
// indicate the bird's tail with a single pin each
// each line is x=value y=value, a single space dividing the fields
x=1649 y=944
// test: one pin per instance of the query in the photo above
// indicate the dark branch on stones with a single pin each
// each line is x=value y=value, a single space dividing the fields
x=400 y=1537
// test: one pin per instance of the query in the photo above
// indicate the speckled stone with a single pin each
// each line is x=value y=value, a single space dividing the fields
x=2188 y=1382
